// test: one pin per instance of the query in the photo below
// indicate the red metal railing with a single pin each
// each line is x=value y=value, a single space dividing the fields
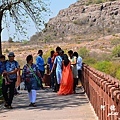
x=103 y=92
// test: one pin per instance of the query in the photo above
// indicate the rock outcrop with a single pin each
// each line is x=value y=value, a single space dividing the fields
x=81 y=22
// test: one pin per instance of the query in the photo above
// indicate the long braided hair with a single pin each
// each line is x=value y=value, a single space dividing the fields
x=65 y=59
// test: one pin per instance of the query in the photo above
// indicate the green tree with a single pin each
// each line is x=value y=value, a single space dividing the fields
x=10 y=40
x=19 y=12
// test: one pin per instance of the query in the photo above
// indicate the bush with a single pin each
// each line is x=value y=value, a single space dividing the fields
x=10 y=40
x=25 y=42
x=7 y=51
x=98 y=1
x=115 y=41
x=101 y=56
x=107 y=67
x=90 y=61
x=81 y=22
x=89 y=2
x=46 y=55
x=47 y=38
x=83 y=52
x=116 y=51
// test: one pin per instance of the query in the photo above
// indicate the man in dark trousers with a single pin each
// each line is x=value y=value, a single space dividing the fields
x=56 y=88
x=11 y=68
x=41 y=65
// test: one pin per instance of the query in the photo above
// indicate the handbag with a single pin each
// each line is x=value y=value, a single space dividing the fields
x=38 y=81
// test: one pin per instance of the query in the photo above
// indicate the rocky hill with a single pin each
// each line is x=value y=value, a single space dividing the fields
x=77 y=26
x=80 y=22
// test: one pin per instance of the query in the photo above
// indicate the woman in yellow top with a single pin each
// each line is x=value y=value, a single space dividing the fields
x=73 y=60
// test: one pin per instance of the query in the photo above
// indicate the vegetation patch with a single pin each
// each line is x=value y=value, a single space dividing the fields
x=116 y=51
x=89 y=2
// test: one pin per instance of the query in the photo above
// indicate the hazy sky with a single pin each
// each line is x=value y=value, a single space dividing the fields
x=55 y=7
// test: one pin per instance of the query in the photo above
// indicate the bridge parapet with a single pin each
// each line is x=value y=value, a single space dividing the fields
x=103 y=92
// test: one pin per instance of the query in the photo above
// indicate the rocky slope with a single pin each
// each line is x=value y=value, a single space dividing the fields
x=80 y=22
x=96 y=27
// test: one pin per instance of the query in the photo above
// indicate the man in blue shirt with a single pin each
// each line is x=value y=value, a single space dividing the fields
x=11 y=67
x=41 y=65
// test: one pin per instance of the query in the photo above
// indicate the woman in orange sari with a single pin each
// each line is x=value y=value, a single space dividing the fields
x=66 y=85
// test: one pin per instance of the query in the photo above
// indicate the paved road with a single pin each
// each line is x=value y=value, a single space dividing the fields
x=50 y=106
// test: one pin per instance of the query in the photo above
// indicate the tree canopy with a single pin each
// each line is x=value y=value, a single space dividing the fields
x=19 y=12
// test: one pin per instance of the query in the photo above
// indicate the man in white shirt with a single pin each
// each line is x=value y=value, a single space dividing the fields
x=79 y=65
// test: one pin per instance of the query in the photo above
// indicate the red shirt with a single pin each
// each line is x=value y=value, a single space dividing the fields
x=54 y=56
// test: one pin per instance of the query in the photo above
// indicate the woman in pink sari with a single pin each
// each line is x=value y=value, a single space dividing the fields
x=66 y=85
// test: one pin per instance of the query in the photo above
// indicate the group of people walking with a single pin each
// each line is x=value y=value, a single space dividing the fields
x=64 y=73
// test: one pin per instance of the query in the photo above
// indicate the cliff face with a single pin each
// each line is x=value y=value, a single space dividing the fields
x=83 y=22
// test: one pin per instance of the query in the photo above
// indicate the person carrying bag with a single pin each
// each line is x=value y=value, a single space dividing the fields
x=36 y=77
x=31 y=76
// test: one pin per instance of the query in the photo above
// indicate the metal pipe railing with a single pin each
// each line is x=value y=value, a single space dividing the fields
x=103 y=92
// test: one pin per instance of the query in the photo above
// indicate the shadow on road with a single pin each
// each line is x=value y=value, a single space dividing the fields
x=48 y=100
